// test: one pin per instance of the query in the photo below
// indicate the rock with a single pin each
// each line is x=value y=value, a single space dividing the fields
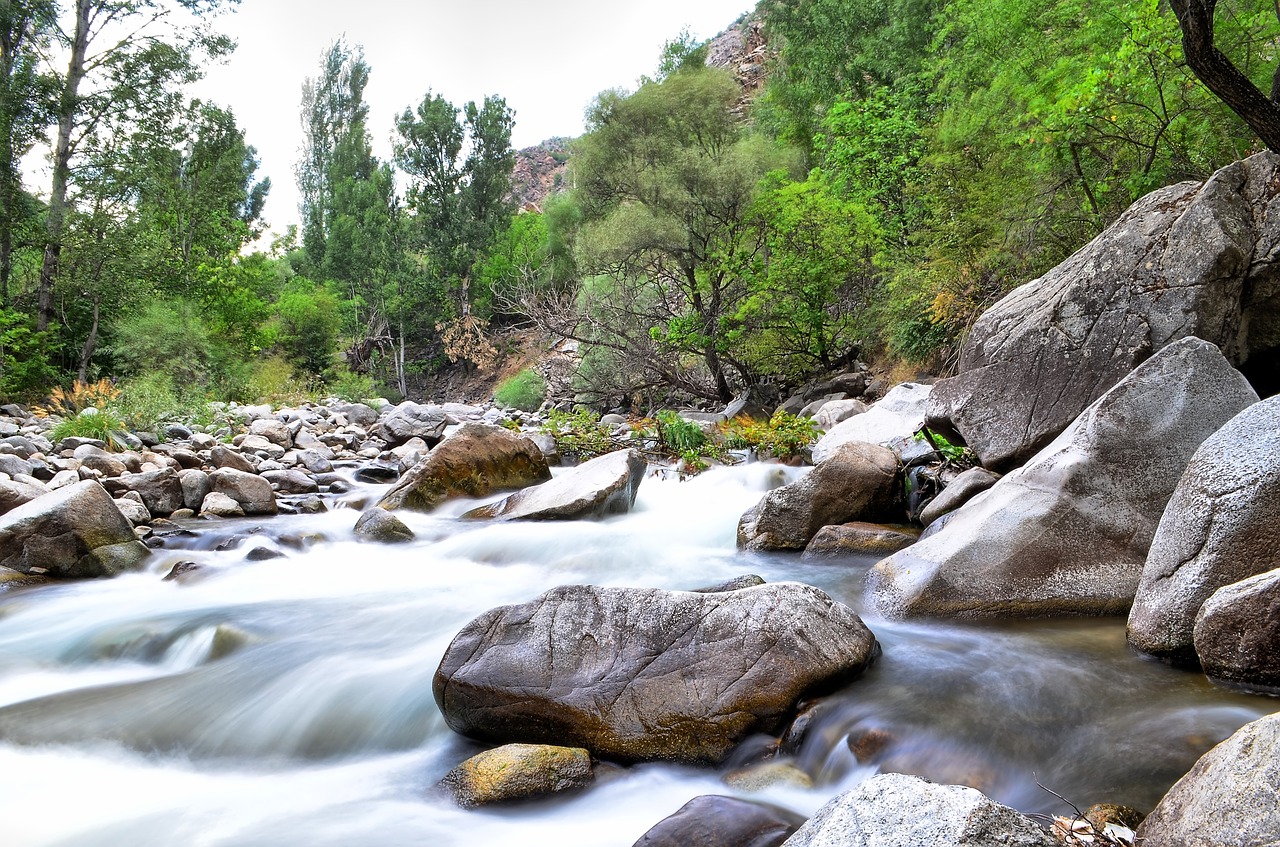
x=518 y=772
x=359 y=414
x=11 y=580
x=272 y=430
x=317 y=460
x=134 y=512
x=814 y=406
x=291 y=482
x=1222 y=525
x=161 y=490
x=962 y=489
x=260 y=446
x=380 y=525
x=1237 y=633
x=377 y=472
x=644 y=674
x=606 y=485
x=411 y=420
x=220 y=506
x=838 y=411
x=252 y=492
x=738 y=583
x=223 y=456
x=14 y=494
x=475 y=461
x=195 y=487
x=856 y=482
x=1228 y=798
x=75 y=531
x=1068 y=533
x=95 y=458
x=263 y=553
x=895 y=810
x=898 y=415
x=714 y=821
x=547 y=444
x=1186 y=260
x=860 y=537
x=14 y=465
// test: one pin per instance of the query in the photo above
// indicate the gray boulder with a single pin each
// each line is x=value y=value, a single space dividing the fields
x=641 y=674
x=898 y=415
x=272 y=430
x=714 y=821
x=380 y=525
x=161 y=490
x=895 y=810
x=250 y=491
x=222 y=456
x=220 y=506
x=517 y=772
x=1237 y=633
x=14 y=494
x=76 y=531
x=1186 y=260
x=412 y=420
x=475 y=461
x=962 y=489
x=1222 y=525
x=195 y=487
x=14 y=465
x=1068 y=533
x=606 y=485
x=134 y=511
x=1228 y=798
x=838 y=411
x=857 y=482
x=291 y=482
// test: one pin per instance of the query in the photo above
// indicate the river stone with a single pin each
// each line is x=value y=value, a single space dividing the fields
x=518 y=772
x=1237 y=632
x=1068 y=533
x=1186 y=260
x=898 y=415
x=97 y=459
x=291 y=482
x=475 y=461
x=895 y=810
x=860 y=537
x=14 y=494
x=412 y=420
x=1228 y=798
x=251 y=491
x=856 y=482
x=359 y=414
x=715 y=821
x=1222 y=525
x=260 y=446
x=838 y=411
x=637 y=674
x=161 y=490
x=606 y=485
x=220 y=506
x=195 y=487
x=272 y=430
x=380 y=525
x=317 y=460
x=962 y=489
x=223 y=456
x=14 y=465
x=134 y=511
x=378 y=473
x=75 y=531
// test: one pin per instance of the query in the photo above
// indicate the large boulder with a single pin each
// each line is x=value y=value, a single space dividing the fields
x=475 y=461
x=1237 y=632
x=161 y=490
x=250 y=491
x=1222 y=525
x=898 y=415
x=606 y=485
x=857 y=482
x=413 y=420
x=643 y=674
x=76 y=531
x=1186 y=260
x=714 y=821
x=1068 y=533
x=14 y=494
x=1228 y=798
x=895 y=810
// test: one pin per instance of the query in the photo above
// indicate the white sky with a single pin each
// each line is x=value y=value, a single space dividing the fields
x=548 y=60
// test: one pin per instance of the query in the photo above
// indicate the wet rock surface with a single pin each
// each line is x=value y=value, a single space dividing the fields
x=714 y=821
x=605 y=485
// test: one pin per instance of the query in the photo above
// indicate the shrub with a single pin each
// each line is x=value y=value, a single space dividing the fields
x=524 y=391
x=164 y=336
x=275 y=380
x=680 y=435
x=103 y=424
x=346 y=384
x=782 y=437
x=579 y=433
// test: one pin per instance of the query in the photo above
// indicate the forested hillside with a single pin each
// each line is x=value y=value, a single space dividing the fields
x=902 y=164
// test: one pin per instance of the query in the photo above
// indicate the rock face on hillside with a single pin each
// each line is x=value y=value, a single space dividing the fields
x=538 y=173
x=641 y=674
x=1068 y=533
x=1186 y=260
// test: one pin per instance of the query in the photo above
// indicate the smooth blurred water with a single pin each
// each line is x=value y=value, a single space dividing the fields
x=119 y=726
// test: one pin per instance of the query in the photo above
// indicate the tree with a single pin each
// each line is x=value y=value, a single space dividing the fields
x=144 y=54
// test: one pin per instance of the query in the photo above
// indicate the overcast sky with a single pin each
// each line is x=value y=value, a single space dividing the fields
x=547 y=59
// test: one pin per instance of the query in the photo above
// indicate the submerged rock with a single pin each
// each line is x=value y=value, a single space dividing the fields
x=894 y=810
x=76 y=531
x=1186 y=260
x=714 y=821
x=1068 y=533
x=475 y=461
x=518 y=772
x=641 y=674
x=1222 y=525
x=606 y=485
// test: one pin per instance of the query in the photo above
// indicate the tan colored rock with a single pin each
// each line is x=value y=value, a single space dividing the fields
x=517 y=772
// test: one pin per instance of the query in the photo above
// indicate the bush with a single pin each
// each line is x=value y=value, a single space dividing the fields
x=783 y=437
x=680 y=435
x=275 y=380
x=103 y=424
x=524 y=391
x=309 y=320
x=165 y=336
x=579 y=433
x=346 y=384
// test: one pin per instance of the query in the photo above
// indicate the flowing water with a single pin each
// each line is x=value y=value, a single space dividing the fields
x=288 y=701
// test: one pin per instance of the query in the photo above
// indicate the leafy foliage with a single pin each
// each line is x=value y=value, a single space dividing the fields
x=524 y=391
x=783 y=436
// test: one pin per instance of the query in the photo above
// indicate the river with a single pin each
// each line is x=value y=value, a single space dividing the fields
x=121 y=723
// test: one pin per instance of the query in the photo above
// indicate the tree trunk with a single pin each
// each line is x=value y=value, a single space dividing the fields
x=1215 y=70
x=90 y=344
x=57 y=215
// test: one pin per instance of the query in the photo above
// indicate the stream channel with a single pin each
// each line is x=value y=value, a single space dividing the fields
x=117 y=727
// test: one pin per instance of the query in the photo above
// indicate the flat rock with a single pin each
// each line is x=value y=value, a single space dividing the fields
x=860 y=537
x=517 y=772
x=1068 y=533
x=1222 y=525
x=642 y=674
x=605 y=485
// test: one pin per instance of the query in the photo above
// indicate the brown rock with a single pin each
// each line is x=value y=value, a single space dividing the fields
x=861 y=537
x=518 y=772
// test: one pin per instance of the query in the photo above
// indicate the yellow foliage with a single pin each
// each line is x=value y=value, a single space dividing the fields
x=71 y=401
